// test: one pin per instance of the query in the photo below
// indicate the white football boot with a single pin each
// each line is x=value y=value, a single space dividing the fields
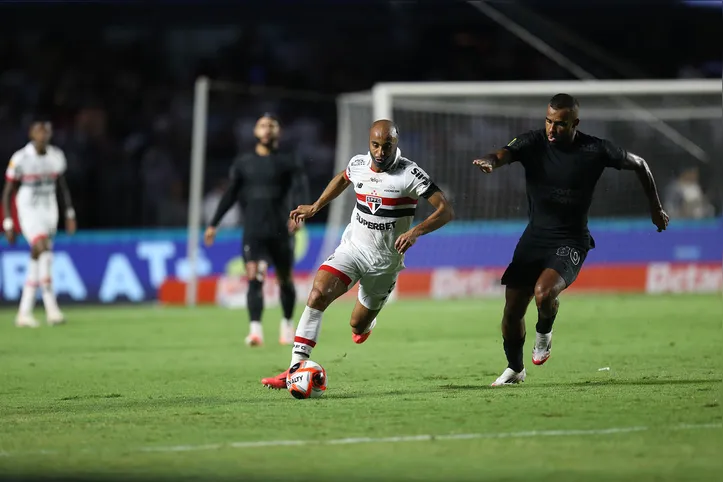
x=542 y=348
x=56 y=318
x=510 y=377
x=256 y=334
x=26 y=321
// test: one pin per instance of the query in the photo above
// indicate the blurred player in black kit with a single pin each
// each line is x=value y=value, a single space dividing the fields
x=562 y=167
x=267 y=183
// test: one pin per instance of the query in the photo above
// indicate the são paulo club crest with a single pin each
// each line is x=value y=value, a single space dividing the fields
x=373 y=201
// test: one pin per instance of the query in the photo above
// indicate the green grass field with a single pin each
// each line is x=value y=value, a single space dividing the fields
x=158 y=393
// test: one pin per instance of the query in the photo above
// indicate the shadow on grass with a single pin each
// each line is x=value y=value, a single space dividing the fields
x=596 y=383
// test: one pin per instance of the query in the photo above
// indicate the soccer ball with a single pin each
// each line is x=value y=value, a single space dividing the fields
x=306 y=379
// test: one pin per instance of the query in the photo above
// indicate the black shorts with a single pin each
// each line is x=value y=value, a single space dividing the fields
x=275 y=250
x=529 y=262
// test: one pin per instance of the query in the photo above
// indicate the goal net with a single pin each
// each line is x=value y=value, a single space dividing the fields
x=674 y=125
x=444 y=126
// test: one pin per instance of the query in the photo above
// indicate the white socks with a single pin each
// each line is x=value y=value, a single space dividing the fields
x=27 y=300
x=45 y=270
x=255 y=329
x=306 y=334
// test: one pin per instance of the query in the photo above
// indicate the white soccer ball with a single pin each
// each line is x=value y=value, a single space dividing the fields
x=306 y=379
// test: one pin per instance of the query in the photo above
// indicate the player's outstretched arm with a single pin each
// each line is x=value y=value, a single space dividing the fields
x=443 y=213
x=632 y=162
x=70 y=222
x=335 y=187
x=493 y=160
x=10 y=186
x=225 y=203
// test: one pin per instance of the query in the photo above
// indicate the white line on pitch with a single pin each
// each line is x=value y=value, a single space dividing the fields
x=423 y=438
x=380 y=440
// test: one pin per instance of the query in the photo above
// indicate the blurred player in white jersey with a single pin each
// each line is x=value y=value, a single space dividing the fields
x=34 y=171
x=372 y=247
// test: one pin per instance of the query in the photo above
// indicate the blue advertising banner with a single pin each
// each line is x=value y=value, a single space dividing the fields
x=110 y=267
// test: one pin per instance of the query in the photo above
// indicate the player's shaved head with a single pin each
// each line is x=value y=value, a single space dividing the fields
x=383 y=140
x=384 y=129
x=562 y=119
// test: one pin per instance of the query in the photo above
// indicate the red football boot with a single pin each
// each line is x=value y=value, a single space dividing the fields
x=278 y=382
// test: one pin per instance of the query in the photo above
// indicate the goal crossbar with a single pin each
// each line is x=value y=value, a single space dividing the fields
x=384 y=93
x=537 y=88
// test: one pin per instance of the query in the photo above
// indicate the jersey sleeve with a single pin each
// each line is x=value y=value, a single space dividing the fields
x=522 y=146
x=612 y=155
x=62 y=163
x=418 y=183
x=234 y=173
x=14 y=171
x=354 y=164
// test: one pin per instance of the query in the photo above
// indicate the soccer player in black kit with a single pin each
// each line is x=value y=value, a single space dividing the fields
x=267 y=183
x=562 y=167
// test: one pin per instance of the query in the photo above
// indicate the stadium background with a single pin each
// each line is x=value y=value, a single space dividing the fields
x=117 y=82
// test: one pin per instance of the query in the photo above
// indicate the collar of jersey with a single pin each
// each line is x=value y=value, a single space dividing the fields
x=397 y=156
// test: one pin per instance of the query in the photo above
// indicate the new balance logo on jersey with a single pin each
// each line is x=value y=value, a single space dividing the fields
x=418 y=174
x=376 y=226
x=359 y=185
x=374 y=203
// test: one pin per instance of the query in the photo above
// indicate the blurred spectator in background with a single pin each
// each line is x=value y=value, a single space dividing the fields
x=173 y=210
x=120 y=94
x=684 y=198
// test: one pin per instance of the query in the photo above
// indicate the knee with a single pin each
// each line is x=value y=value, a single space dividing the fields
x=318 y=300
x=544 y=295
x=513 y=313
x=285 y=280
x=36 y=250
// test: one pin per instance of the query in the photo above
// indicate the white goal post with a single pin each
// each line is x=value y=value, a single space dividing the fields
x=444 y=125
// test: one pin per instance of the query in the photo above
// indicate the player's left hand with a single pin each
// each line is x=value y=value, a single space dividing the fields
x=660 y=219
x=71 y=225
x=484 y=165
x=294 y=226
x=405 y=241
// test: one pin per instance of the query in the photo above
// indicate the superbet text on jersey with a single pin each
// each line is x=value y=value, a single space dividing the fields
x=385 y=203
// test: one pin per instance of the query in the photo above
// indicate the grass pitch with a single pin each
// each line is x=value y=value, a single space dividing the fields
x=172 y=394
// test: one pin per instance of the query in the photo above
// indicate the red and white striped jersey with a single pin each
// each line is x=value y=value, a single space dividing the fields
x=37 y=174
x=385 y=205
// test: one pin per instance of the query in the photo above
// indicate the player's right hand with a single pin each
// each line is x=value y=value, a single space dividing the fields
x=209 y=236
x=8 y=227
x=302 y=213
x=484 y=165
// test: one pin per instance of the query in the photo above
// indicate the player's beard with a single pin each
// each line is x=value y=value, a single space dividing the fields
x=272 y=143
x=384 y=164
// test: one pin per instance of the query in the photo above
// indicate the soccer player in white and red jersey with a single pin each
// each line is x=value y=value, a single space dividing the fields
x=372 y=247
x=34 y=171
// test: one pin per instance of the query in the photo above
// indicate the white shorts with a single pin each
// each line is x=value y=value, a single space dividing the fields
x=36 y=224
x=375 y=285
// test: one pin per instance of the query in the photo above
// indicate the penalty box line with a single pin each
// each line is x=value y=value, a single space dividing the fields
x=386 y=440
